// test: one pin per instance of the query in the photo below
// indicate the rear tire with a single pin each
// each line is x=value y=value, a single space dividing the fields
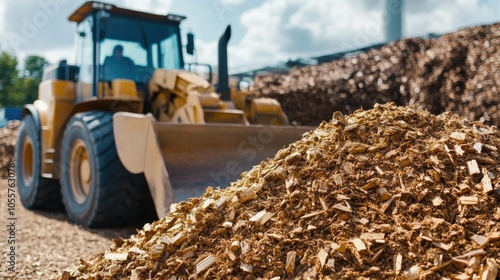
x=97 y=190
x=35 y=192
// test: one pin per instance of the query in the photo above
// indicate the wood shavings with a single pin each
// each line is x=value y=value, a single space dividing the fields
x=360 y=214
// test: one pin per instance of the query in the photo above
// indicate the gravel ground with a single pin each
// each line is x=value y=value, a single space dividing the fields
x=46 y=242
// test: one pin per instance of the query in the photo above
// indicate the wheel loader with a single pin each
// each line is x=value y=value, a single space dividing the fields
x=116 y=143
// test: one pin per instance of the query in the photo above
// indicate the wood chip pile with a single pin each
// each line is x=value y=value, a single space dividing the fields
x=8 y=135
x=456 y=72
x=383 y=193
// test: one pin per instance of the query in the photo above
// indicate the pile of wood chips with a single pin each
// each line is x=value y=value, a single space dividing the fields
x=392 y=192
x=457 y=72
x=8 y=136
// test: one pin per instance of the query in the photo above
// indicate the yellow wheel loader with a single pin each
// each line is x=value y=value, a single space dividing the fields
x=126 y=132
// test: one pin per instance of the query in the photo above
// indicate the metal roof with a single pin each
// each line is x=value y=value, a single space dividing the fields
x=90 y=6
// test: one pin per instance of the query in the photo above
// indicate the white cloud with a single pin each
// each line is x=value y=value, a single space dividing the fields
x=279 y=30
x=151 y=6
x=447 y=15
x=231 y=2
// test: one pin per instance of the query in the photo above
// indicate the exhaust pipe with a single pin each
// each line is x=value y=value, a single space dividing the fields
x=223 y=84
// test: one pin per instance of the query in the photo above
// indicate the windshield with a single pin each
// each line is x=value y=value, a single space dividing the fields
x=132 y=49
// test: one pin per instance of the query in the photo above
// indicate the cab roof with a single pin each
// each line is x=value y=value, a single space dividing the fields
x=88 y=7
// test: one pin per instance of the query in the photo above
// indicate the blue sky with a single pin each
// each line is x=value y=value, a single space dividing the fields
x=264 y=32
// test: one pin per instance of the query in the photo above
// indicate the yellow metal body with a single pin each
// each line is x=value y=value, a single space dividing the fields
x=56 y=104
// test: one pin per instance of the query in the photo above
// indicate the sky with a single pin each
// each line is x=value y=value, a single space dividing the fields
x=263 y=32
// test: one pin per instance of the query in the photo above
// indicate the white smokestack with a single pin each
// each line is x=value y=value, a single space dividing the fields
x=394 y=20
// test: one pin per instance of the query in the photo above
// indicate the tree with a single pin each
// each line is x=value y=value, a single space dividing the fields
x=8 y=77
x=27 y=84
x=34 y=65
x=16 y=89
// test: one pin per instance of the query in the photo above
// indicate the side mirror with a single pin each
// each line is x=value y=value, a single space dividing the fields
x=190 y=43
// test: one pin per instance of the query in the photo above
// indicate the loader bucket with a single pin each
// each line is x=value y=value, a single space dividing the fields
x=180 y=161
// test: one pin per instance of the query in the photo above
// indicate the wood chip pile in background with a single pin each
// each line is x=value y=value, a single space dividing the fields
x=383 y=193
x=8 y=135
x=456 y=72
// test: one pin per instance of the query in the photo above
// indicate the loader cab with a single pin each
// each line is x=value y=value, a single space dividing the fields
x=148 y=42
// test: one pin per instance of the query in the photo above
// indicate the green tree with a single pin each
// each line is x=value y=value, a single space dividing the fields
x=8 y=78
x=20 y=87
x=34 y=65
x=27 y=84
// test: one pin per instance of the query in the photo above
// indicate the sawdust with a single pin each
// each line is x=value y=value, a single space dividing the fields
x=383 y=193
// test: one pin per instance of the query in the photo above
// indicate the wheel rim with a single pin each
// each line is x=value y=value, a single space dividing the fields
x=28 y=161
x=79 y=171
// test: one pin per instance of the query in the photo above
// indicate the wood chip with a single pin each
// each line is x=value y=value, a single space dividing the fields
x=337 y=179
x=398 y=263
x=341 y=207
x=486 y=183
x=248 y=268
x=207 y=203
x=472 y=253
x=464 y=188
x=473 y=168
x=313 y=214
x=231 y=256
x=359 y=244
x=322 y=256
x=257 y=217
x=372 y=236
x=330 y=263
x=205 y=263
x=347 y=168
x=244 y=247
x=458 y=136
x=157 y=251
x=491 y=270
x=469 y=200
x=383 y=193
x=441 y=245
x=116 y=256
x=247 y=195
x=178 y=239
x=462 y=276
x=478 y=146
x=412 y=273
x=342 y=248
x=188 y=252
x=404 y=161
x=364 y=221
x=480 y=239
x=221 y=202
x=493 y=236
x=437 y=201
x=458 y=150
x=422 y=194
x=473 y=262
x=379 y=170
x=266 y=218
x=438 y=259
x=290 y=262
x=235 y=245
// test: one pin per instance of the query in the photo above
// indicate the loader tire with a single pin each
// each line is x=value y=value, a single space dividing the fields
x=35 y=192
x=97 y=190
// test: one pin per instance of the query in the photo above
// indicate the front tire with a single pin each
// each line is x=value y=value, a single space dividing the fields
x=97 y=190
x=35 y=192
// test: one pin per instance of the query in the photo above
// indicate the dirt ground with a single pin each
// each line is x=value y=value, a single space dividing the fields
x=46 y=243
